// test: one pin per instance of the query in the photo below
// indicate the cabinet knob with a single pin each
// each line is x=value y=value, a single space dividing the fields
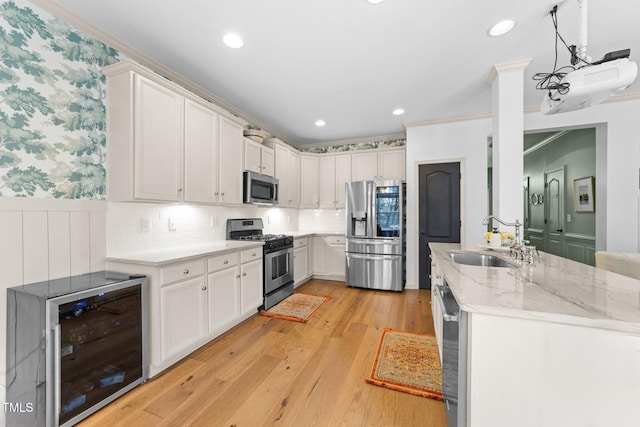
x=237 y=276
x=244 y=274
x=216 y=193
x=253 y=254
x=204 y=288
x=186 y=271
x=179 y=190
x=226 y=261
x=222 y=194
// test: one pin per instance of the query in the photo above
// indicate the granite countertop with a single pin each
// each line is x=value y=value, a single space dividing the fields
x=555 y=289
x=167 y=256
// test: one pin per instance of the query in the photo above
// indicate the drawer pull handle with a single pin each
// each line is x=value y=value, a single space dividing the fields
x=244 y=274
x=253 y=254
x=226 y=261
x=186 y=271
x=204 y=288
x=237 y=276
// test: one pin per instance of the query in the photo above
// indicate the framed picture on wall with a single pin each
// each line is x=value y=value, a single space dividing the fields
x=583 y=196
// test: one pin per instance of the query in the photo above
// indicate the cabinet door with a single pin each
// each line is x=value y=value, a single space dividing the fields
x=364 y=166
x=267 y=161
x=343 y=175
x=201 y=148
x=183 y=316
x=158 y=136
x=327 y=184
x=337 y=260
x=251 y=289
x=282 y=173
x=309 y=189
x=300 y=263
x=320 y=256
x=224 y=297
x=231 y=162
x=294 y=180
x=391 y=164
x=252 y=160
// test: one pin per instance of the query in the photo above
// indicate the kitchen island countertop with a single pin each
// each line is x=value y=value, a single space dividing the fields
x=555 y=289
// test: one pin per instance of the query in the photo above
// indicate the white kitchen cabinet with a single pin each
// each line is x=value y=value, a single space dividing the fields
x=300 y=260
x=287 y=170
x=329 y=257
x=309 y=181
x=194 y=301
x=251 y=289
x=391 y=164
x=334 y=172
x=183 y=322
x=258 y=158
x=224 y=292
x=201 y=152
x=231 y=162
x=184 y=315
x=378 y=165
x=154 y=127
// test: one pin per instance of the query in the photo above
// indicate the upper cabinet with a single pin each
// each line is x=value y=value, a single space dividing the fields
x=287 y=170
x=166 y=144
x=335 y=171
x=378 y=165
x=258 y=158
x=309 y=176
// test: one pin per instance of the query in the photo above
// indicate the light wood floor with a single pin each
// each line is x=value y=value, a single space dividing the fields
x=274 y=372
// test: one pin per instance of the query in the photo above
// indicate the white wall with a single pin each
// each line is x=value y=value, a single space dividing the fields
x=618 y=164
x=464 y=142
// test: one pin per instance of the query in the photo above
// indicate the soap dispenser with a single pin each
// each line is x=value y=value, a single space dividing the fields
x=496 y=239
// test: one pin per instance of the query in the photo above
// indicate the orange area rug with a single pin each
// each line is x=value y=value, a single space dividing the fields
x=408 y=362
x=298 y=307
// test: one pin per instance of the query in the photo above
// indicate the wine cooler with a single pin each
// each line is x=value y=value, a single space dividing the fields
x=73 y=346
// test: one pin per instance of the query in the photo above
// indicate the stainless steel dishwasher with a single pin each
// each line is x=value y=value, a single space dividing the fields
x=454 y=357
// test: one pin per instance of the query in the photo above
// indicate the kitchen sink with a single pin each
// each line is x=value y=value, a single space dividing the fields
x=482 y=260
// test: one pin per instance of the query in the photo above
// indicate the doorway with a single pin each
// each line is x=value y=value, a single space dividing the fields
x=438 y=210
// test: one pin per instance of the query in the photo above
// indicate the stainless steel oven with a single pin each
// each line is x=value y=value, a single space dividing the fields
x=277 y=261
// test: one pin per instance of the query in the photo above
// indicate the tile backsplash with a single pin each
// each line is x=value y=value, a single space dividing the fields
x=135 y=227
x=328 y=220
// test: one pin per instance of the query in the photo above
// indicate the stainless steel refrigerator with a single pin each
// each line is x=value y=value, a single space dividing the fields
x=375 y=249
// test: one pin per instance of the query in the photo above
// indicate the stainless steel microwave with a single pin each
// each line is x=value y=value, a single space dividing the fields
x=260 y=189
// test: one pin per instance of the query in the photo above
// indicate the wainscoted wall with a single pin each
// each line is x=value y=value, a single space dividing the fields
x=42 y=239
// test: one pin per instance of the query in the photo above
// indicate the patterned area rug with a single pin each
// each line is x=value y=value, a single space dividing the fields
x=408 y=362
x=297 y=307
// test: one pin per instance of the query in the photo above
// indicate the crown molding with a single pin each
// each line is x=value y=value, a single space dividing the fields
x=507 y=67
x=465 y=118
x=74 y=20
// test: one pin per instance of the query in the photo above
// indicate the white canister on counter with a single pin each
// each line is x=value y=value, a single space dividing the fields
x=496 y=239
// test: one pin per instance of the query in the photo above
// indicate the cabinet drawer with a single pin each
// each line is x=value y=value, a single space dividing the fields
x=250 y=255
x=298 y=243
x=223 y=261
x=181 y=270
x=335 y=240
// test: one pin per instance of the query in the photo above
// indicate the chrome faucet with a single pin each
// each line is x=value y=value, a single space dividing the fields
x=517 y=243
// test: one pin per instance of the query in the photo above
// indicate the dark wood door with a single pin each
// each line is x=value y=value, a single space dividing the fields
x=439 y=210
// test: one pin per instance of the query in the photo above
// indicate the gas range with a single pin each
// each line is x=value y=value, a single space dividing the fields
x=277 y=258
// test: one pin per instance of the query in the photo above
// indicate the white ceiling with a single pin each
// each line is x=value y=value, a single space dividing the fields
x=351 y=63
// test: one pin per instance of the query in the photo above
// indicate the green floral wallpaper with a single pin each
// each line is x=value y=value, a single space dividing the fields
x=369 y=145
x=52 y=110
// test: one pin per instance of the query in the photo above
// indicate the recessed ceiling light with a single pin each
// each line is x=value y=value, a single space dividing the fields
x=320 y=123
x=374 y=1
x=502 y=27
x=398 y=112
x=233 y=41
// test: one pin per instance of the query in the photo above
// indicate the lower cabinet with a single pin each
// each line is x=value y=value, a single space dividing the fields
x=301 y=271
x=436 y=310
x=192 y=302
x=329 y=257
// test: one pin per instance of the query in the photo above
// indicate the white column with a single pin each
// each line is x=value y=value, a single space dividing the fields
x=507 y=93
